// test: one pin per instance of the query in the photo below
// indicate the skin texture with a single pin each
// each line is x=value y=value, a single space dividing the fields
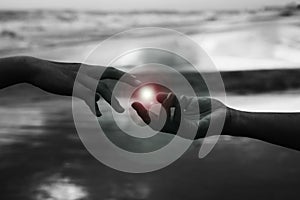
x=277 y=128
x=58 y=78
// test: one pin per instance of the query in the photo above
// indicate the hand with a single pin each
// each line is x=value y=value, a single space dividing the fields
x=58 y=78
x=186 y=116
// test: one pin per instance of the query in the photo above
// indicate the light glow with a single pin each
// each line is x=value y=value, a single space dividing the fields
x=147 y=94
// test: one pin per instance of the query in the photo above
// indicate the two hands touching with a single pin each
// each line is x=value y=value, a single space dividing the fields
x=181 y=111
x=59 y=78
x=277 y=128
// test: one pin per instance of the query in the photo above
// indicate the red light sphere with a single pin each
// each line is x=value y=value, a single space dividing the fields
x=146 y=94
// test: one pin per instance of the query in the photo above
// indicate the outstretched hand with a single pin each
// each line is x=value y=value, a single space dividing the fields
x=187 y=116
x=59 y=78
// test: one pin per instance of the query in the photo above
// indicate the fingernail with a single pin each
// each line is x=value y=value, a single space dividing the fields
x=120 y=109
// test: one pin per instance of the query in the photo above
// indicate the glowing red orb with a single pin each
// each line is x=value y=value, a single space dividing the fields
x=146 y=94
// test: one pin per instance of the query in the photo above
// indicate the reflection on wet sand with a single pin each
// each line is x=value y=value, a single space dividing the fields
x=42 y=157
x=13 y=118
x=46 y=160
x=56 y=187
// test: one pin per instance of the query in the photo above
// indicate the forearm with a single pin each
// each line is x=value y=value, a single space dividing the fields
x=14 y=70
x=277 y=128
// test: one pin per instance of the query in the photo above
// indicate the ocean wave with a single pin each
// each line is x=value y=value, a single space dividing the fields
x=47 y=28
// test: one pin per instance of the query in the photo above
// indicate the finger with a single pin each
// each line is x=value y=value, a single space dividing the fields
x=89 y=97
x=167 y=103
x=93 y=106
x=107 y=95
x=97 y=110
x=173 y=102
x=188 y=102
x=142 y=112
x=113 y=73
x=177 y=113
x=161 y=96
x=97 y=97
x=103 y=90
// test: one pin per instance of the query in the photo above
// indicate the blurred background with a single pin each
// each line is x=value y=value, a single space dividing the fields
x=254 y=43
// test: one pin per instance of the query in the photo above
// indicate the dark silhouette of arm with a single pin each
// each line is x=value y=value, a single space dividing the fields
x=59 y=78
x=277 y=128
x=14 y=70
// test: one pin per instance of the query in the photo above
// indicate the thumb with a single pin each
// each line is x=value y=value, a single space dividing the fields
x=141 y=111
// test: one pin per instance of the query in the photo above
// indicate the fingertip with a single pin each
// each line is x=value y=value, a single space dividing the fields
x=93 y=106
x=97 y=97
x=141 y=111
x=161 y=96
x=98 y=114
x=135 y=105
x=120 y=109
x=116 y=105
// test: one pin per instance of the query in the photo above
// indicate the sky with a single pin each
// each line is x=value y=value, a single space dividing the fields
x=138 y=4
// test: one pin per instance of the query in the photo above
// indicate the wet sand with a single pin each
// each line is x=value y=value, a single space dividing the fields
x=42 y=157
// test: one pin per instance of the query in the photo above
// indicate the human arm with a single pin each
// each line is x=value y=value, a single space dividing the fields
x=277 y=128
x=59 y=78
